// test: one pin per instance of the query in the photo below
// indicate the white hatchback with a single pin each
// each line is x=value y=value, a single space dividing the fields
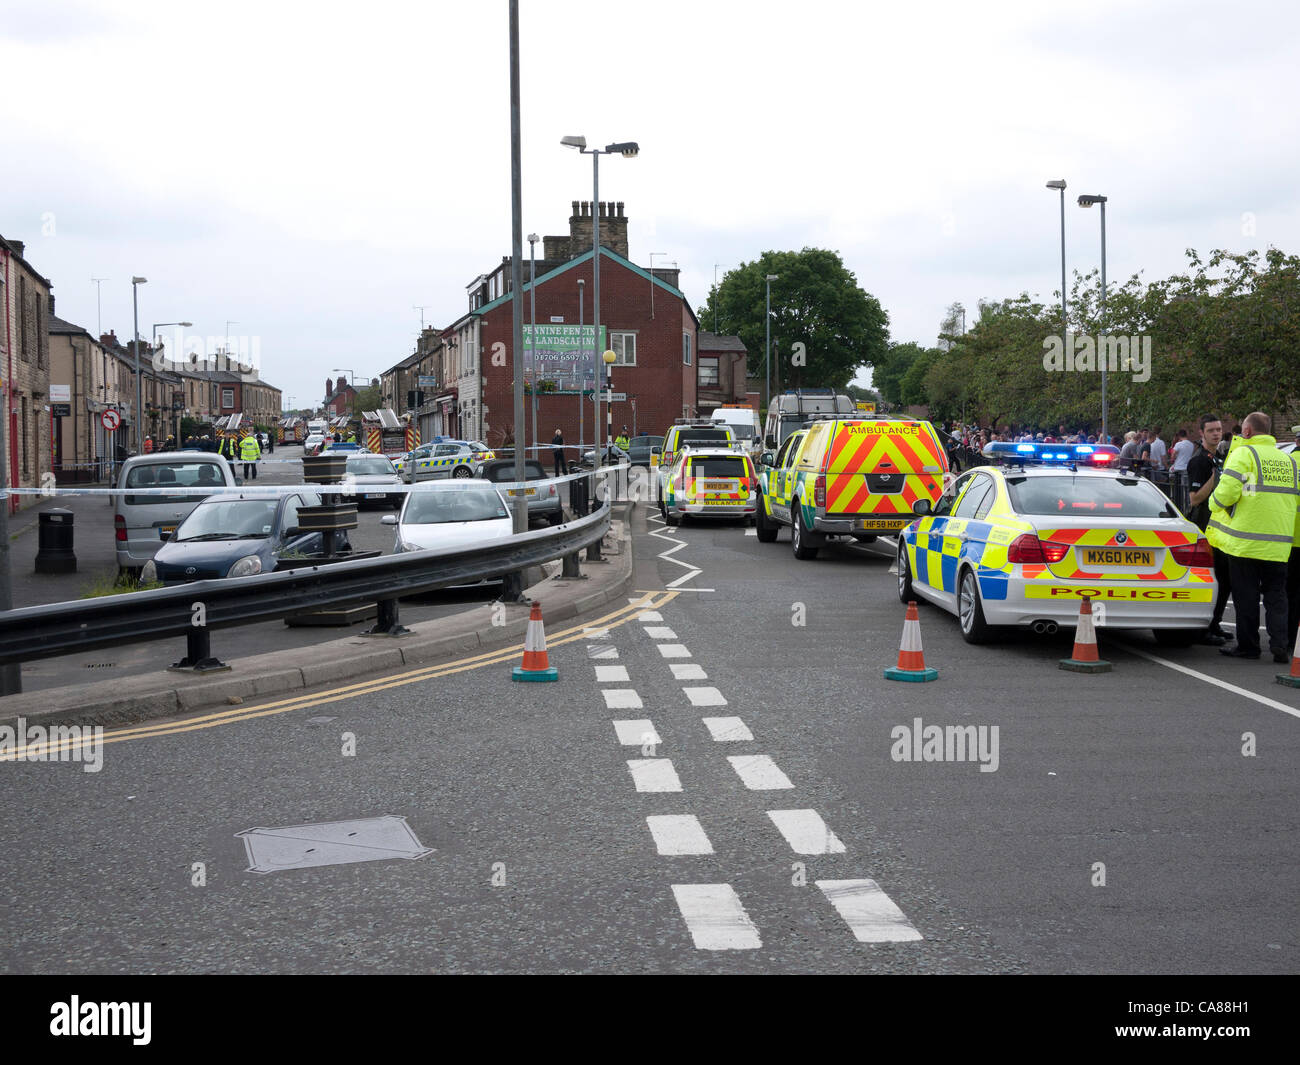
x=449 y=514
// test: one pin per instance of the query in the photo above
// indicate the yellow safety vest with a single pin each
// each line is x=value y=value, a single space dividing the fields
x=248 y=449
x=1253 y=508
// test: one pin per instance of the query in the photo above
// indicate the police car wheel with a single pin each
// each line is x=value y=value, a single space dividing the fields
x=799 y=535
x=905 y=593
x=764 y=529
x=970 y=611
x=462 y=472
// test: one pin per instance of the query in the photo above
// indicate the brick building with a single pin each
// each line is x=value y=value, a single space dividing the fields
x=24 y=368
x=723 y=368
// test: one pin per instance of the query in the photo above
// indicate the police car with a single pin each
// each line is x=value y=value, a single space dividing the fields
x=708 y=482
x=1020 y=544
x=696 y=432
x=443 y=458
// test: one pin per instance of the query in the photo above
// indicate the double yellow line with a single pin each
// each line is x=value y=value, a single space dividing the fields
x=42 y=751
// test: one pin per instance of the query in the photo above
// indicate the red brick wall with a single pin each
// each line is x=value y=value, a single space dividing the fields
x=658 y=380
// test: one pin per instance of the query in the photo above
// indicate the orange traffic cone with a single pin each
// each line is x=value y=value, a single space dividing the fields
x=911 y=658
x=536 y=666
x=1292 y=679
x=1084 y=659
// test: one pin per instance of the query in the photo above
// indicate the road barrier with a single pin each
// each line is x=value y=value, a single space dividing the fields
x=193 y=610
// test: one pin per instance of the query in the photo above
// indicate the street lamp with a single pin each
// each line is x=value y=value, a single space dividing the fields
x=1060 y=185
x=609 y=358
x=136 y=282
x=533 y=238
x=1088 y=201
x=582 y=373
x=767 y=334
x=627 y=149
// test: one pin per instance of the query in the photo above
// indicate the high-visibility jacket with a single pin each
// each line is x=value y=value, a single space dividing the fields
x=622 y=441
x=249 y=451
x=1253 y=507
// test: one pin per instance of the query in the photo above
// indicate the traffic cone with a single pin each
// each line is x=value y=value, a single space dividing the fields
x=536 y=666
x=1292 y=679
x=911 y=658
x=1084 y=658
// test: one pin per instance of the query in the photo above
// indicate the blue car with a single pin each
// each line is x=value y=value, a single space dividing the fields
x=236 y=536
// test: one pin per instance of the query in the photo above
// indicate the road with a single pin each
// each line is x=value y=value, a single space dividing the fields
x=762 y=826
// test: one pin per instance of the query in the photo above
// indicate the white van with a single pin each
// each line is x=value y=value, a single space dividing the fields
x=143 y=521
x=742 y=419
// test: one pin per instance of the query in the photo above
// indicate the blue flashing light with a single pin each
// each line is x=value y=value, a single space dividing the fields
x=1027 y=449
x=1050 y=454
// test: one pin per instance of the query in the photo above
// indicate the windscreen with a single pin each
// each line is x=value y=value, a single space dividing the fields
x=363 y=465
x=229 y=519
x=719 y=466
x=703 y=436
x=502 y=474
x=202 y=474
x=1102 y=497
x=436 y=508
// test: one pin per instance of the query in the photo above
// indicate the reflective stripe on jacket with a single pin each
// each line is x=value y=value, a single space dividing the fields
x=1253 y=507
x=248 y=449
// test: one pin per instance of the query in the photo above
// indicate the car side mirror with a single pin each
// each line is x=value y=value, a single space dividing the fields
x=921 y=507
x=388 y=519
x=656 y=451
x=766 y=459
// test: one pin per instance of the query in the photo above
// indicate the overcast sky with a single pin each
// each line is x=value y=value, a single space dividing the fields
x=315 y=176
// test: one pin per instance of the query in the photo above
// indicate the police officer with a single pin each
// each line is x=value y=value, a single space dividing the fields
x=250 y=452
x=622 y=441
x=229 y=447
x=1253 y=520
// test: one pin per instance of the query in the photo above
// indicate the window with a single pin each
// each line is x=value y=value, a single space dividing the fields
x=686 y=348
x=624 y=346
x=708 y=372
x=227 y=399
x=972 y=498
x=27 y=440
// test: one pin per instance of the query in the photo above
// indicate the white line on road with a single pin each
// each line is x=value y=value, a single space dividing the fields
x=751 y=532
x=595 y=634
x=728 y=729
x=649 y=615
x=705 y=696
x=759 y=772
x=715 y=917
x=654 y=774
x=637 y=733
x=621 y=699
x=659 y=632
x=605 y=674
x=1261 y=699
x=678 y=834
x=687 y=671
x=868 y=911
x=673 y=650
x=806 y=832
x=597 y=651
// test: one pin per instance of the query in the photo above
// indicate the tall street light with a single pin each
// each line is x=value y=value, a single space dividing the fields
x=533 y=238
x=1060 y=185
x=627 y=149
x=1088 y=201
x=582 y=374
x=767 y=333
x=136 y=282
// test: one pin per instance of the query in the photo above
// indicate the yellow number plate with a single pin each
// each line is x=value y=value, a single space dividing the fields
x=527 y=491
x=719 y=486
x=165 y=531
x=1117 y=556
x=884 y=523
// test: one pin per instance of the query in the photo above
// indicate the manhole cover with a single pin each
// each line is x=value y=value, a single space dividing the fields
x=369 y=839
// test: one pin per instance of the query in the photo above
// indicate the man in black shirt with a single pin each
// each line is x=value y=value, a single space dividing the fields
x=1202 y=475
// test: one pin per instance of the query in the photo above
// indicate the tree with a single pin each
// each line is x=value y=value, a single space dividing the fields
x=368 y=398
x=828 y=327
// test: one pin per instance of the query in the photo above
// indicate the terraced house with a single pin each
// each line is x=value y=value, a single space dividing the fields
x=24 y=368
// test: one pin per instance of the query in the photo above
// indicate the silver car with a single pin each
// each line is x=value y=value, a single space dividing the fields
x=436 y=461
x=143 y=520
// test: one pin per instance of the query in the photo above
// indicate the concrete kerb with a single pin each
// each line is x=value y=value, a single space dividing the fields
x=354 y=658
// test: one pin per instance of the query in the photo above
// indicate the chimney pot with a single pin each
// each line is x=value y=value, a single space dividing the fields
x=575 y=208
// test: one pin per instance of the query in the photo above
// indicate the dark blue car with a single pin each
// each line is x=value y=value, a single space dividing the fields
x=236 y=536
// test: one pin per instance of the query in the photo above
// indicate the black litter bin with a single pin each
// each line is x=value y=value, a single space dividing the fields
x=54 y=552
x=578 y=496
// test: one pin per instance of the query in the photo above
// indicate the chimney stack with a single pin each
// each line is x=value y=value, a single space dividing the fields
x=329 y=388
x=341 y=384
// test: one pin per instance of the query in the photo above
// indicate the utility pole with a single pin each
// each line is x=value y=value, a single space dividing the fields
x=517 y=270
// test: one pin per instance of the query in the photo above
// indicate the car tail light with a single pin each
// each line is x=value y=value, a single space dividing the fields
x=1197 y=554
x=1054 y=552
x=819 y=490
x=119 y=528
x=1028 y=548
x=552 y=491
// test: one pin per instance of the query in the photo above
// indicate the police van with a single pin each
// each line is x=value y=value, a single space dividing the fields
x=849 y=477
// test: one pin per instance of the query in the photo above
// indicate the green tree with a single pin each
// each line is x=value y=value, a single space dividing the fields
x=816 y=303
x=370 y=397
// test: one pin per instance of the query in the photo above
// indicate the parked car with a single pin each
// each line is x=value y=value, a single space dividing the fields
x=313 y=444
x=372 y=475
x=639 y=448
x=345 y=445
x=449 y=514
x=613 y=456
x=444 y=458
x=543 y=499
x=237 y=536
x=143 y=520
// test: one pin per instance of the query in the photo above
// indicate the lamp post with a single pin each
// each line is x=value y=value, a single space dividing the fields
x=767 y=334
x=136 y=282
x=533 y=238
x=609 y=358
x=627 y=149
x=1059 y=184
x=1088 y=201
x=582 y=373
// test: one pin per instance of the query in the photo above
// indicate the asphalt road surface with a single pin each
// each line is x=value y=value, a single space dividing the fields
x=711 y=786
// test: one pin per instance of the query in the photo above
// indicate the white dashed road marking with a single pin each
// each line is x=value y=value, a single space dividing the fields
x=605 y=674
x=621 y=698
x=705 y=696
x=679 y=834
x=715 y=917
x=759 y=772
x=595 y=634
x=728 y=729
x=654 y=774
x=600 y=651
x=637 y=733
x=869 y=912
x=806 y=832
x=673 y=650
x=649 y=615
x=687 y=671
x=659 y=632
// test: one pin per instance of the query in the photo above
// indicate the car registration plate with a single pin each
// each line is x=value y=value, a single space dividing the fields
x=165 y=531
x=1117 y=556
x=883 y=523
x=527 y=491
x=375 y=495
x=720 y=486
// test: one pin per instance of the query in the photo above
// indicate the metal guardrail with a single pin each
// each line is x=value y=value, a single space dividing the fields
x=194 y=610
